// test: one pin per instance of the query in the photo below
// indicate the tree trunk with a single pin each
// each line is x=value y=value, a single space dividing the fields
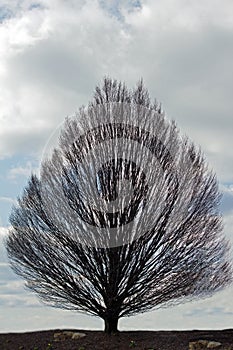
x=110 y=325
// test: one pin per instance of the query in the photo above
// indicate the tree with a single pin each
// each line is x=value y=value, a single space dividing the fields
x=124 y=216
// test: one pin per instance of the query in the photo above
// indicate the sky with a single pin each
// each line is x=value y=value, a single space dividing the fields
x=52 y=55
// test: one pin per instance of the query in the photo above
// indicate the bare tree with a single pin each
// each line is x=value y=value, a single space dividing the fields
x=124 y=216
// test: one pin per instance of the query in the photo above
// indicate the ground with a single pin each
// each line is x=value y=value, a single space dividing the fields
x=97 y=340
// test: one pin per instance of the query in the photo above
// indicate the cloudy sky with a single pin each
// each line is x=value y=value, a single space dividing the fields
x=54 y=52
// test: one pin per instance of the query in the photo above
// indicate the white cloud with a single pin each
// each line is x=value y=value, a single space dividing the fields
x=194 y=15
x=20 y=170
x=53 y=55
x=50 y=58
x=8 y=200
x=9 y=287
x=3 y=231
x=15 y=299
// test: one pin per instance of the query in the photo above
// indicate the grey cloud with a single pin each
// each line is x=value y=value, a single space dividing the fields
x=55 y=75
x=190 y=71
x=57 y=65
x=188 y=68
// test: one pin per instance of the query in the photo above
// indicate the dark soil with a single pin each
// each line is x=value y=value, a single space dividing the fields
x=97 y=340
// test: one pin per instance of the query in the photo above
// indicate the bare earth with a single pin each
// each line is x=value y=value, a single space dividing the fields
x=138 y=340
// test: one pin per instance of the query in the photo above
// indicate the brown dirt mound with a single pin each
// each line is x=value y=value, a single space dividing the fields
x=97 y=340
